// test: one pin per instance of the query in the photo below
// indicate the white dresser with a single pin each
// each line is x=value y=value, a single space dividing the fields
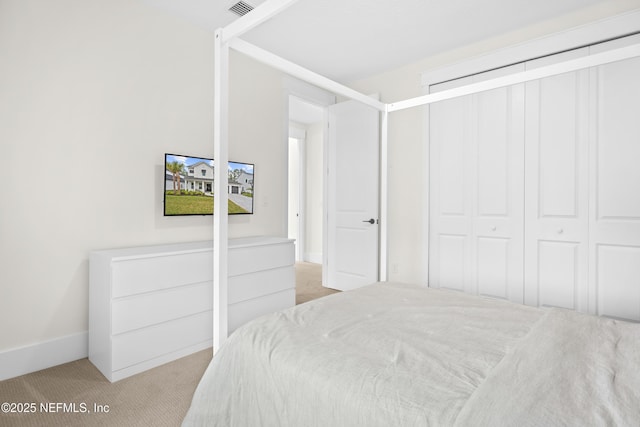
x=151 y=305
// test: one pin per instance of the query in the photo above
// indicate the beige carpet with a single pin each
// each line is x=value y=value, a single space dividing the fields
x=157 y=397
x=309 y=282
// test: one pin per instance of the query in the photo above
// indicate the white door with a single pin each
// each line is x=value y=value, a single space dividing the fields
x=476 y=191
x=353 y=151
x=498 y=188
x=450 y=202
x=614 y=235
x=557 y=205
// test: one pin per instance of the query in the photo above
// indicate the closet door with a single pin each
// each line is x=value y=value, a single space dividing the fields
x=556 y=191
x=476 y=188
x=614 y=247
x=450 y=232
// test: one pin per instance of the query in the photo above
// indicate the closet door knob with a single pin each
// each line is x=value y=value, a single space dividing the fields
x=494 y=228
x=560 y=231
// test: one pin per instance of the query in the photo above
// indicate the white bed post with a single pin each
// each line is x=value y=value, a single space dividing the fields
x=220 y=219
x=384 y=174
x=221 y=158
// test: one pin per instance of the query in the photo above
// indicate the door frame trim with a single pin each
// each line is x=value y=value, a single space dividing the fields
x=312 y=94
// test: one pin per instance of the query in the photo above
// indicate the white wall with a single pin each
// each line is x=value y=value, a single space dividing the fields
x=92 y=94
x=258 y=129
x=407 y=252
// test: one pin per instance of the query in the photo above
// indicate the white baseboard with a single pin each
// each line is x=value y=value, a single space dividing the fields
x=313 y=257
x=35 y=357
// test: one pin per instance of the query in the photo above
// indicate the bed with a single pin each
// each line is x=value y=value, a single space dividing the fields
x=393 y=354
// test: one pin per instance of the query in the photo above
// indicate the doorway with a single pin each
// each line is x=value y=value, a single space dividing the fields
x=314 y=120
x=305 y=182
x=334 y=149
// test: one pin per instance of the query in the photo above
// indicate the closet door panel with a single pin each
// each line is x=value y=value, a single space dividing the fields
x=452 y=261
x=556 y=204
x=497 y=189
x=492 y=145
x=618 y=132
x=558 y=146
x=493 y=267
x=450 y=206
x=615 y=213
x=558 y=276
x=451 y=156
x=617 y=275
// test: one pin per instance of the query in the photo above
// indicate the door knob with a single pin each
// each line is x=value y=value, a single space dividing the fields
x=370 y=221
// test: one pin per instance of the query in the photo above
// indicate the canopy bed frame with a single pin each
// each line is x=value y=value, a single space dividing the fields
x=229 y=38
x=401 y=354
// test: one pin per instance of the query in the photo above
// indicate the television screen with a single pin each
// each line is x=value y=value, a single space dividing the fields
x=188 y=186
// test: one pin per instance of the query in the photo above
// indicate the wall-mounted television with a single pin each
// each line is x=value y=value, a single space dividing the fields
x=188 y=186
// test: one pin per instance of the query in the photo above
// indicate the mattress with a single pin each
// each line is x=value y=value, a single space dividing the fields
x=393 y=354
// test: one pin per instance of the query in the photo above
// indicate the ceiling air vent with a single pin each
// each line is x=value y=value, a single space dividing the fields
x=241 y=8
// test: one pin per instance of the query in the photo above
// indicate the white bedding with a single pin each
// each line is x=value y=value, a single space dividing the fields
x=394 y=354
x=570 y=370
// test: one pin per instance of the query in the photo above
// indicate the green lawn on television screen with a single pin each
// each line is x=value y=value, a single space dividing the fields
x=194 y=205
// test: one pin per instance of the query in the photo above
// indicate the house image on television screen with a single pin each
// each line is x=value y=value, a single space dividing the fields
x=189 y=186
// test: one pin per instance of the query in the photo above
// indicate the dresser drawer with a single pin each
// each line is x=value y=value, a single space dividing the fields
x=253 y=285
x=135 y=276
x=244 y=260
x=144 y=344
x=139 y=311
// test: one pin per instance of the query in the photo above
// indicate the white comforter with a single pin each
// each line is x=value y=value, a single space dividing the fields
x=402 y=355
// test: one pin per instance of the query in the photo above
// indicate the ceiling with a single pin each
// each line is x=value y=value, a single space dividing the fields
x=346 y=40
